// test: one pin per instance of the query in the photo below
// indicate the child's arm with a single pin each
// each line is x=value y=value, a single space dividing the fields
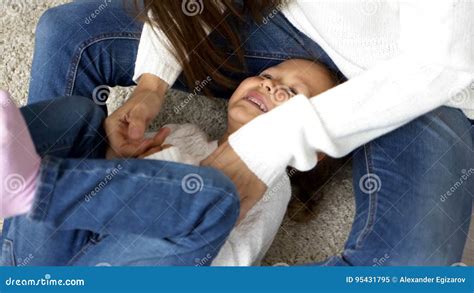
x=251 y=239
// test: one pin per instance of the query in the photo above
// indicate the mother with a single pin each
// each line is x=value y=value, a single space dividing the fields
x=405 y=64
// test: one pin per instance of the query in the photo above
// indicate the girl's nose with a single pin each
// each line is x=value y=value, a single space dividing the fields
x=268 y=85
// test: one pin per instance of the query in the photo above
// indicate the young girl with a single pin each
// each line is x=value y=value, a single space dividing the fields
x=77 y=213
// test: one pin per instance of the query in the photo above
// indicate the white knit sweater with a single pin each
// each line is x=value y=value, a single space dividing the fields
x=249 y=241
x=402 y=58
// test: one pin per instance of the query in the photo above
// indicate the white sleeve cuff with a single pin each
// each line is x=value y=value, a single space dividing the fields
x=283 y=137
x=155 y=56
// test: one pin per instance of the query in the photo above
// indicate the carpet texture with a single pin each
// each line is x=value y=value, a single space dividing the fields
x=297 y=243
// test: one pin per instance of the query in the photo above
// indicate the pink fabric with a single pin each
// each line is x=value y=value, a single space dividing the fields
x=19 y=162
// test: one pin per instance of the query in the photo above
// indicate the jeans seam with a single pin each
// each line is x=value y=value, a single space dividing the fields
x=164 y=180
x=47 y=177
x=72 y=72
x=8 y=243
x=369 y=224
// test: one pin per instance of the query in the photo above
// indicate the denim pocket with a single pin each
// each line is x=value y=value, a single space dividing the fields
x=8 y=258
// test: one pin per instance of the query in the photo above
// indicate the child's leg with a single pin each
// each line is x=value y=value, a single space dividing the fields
x=141 y=197
x=65 y=128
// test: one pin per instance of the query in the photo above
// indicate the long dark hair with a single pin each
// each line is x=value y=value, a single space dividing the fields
x=184 y=22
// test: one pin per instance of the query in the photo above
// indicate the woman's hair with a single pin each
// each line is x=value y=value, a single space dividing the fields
x=184 y=23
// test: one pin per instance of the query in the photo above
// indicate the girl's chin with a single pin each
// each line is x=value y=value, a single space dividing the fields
x=240 y=120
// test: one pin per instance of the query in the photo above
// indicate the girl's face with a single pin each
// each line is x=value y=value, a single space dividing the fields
x=273 y=87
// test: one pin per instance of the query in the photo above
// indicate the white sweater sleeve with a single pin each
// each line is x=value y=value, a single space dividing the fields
x=436 y=63
x=155 y=56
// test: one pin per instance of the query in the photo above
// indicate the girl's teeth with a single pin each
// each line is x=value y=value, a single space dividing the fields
x=258 y=103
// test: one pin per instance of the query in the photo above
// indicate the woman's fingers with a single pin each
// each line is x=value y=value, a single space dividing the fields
x=137 y=123
x=161 y=136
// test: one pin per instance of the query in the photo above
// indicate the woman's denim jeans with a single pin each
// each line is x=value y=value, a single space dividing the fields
x=413 y=187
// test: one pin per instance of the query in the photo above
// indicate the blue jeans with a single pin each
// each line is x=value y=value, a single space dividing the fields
x=91 y=211
x=404 y=215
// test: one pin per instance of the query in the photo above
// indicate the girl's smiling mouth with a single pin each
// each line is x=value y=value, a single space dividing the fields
x=258 y=100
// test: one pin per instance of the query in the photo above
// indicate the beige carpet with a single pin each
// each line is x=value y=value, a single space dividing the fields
x=296 y=243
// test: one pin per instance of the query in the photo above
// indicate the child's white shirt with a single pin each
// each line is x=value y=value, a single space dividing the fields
x=249 y=241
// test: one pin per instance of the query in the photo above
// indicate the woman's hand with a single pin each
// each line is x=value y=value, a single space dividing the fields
x=126 y=127
x=251 y=189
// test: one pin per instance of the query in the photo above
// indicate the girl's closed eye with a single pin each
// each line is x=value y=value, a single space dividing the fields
x=290 y=90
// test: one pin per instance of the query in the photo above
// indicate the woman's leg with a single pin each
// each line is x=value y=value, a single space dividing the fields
x=117 y=199
x=414 y=189
x=83 y=45
x=76 y=54
x=421 y=213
